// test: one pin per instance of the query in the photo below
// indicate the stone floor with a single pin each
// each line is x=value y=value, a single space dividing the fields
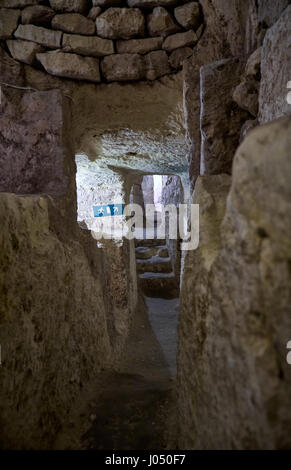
x=133 y=407
x=163 y=316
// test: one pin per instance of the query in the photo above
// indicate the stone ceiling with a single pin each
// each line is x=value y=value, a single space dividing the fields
x=135 y=127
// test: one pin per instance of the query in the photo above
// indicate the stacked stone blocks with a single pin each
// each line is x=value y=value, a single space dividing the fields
x=101 y=40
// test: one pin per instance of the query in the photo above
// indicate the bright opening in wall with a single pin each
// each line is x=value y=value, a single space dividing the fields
x=98 y=186
x=158 y=188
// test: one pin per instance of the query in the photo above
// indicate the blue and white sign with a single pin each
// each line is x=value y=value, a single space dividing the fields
x=108 y=210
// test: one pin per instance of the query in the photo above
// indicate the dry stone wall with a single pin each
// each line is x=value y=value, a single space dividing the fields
x=101 y=40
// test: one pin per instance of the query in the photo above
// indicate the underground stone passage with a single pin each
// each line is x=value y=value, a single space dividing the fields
x=112 y=335
x=135 y=400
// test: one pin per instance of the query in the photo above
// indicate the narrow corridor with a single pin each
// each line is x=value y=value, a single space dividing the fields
x=132 y=407
x=135 y=405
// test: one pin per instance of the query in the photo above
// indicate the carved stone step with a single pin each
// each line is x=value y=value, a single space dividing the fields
x=145 y=252
x=162 y=285
x=154 y=265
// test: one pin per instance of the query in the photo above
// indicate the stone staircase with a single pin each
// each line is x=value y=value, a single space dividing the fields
x=154 y=269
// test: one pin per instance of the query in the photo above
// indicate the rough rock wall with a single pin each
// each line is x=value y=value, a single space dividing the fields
x=136 y=194
x=138 y=126
x=150 y=138
x=36 y=158
x=99 y=40
x=172 y=193
x=53 y=321
x=221 y=118
x=172 y=190
x=59 y=323
x=235 y=323
x=269 y=11
x=233 y=378
x=275 y=69
x=121 y=289
x=233 y=23
x=148 y=189
x=230 y=31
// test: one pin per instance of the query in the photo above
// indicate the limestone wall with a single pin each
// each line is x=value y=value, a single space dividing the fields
x=172 y=193
x=247 y=33
x=65 y=305
x=233 y=380
x=53 y=321
x=233 y=377
x=102 y=40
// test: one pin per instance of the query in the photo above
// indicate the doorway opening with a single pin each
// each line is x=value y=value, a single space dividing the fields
x=135 y=398
x=158 y=262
